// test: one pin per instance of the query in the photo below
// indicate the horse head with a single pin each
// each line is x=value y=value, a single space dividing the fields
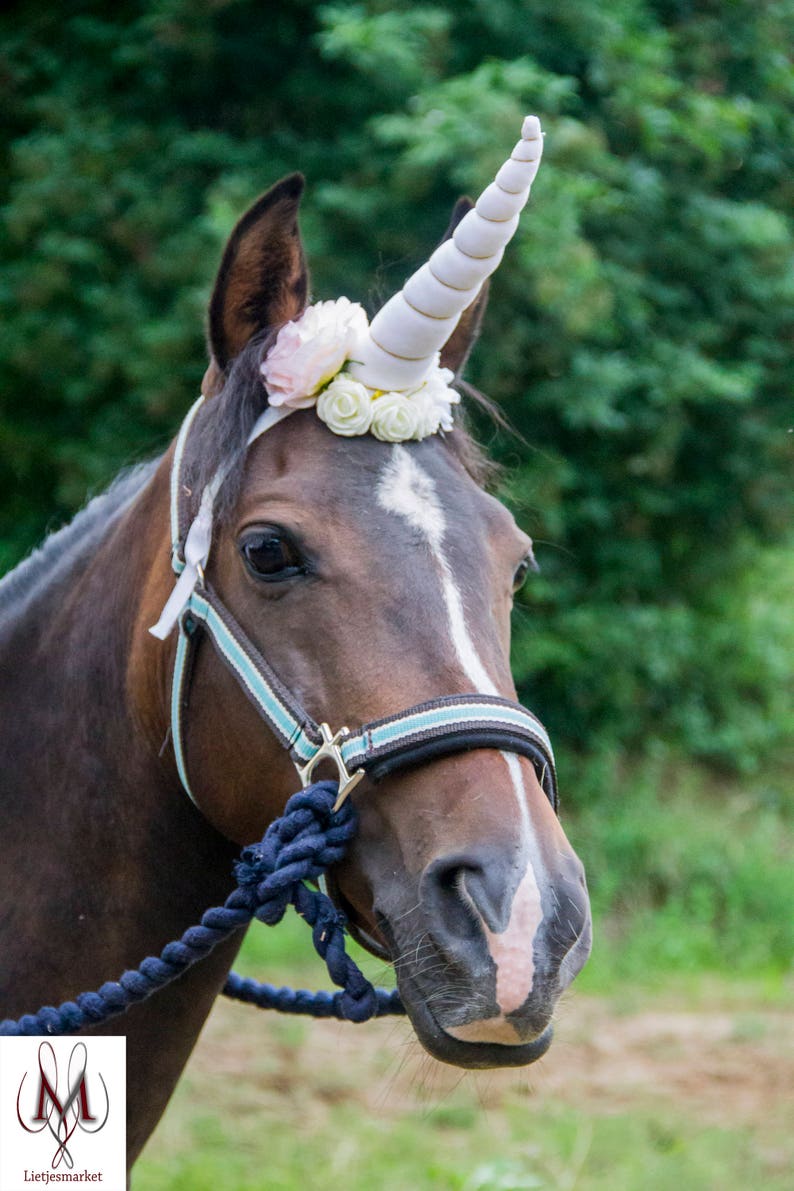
x=373 y=573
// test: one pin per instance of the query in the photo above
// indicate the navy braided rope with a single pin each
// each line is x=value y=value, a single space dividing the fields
x=307 y=839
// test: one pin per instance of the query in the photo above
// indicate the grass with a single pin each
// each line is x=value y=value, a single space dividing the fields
x=672 y=1056
x=465 y=1150
x=282 y=1105
x=688 y=873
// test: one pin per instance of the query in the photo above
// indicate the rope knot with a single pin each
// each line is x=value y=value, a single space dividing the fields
x=308 y=838
x=359 y=1006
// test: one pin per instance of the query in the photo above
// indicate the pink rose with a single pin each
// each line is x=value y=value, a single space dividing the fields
x=309 y=352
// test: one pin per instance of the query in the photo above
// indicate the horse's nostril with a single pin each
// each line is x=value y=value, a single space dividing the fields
x=463 y=892
x=445 y=889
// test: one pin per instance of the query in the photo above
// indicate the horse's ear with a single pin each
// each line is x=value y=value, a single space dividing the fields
x=455 y=351
x=263 y=281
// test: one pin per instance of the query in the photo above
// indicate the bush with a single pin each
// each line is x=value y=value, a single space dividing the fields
x=640 y=326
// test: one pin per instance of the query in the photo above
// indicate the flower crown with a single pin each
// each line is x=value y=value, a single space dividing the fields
x=387 y=379
x=305 y=367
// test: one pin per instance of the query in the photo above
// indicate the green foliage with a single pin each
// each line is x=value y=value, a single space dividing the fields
x=687 y=873
x=640 y=327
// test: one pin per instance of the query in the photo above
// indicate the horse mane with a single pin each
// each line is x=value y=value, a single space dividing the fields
x=59 y=550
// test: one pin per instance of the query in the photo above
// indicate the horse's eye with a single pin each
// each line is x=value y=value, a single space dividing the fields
x=526 y=565
x=269 y=554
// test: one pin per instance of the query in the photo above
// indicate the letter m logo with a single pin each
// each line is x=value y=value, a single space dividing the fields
x=45 y=1091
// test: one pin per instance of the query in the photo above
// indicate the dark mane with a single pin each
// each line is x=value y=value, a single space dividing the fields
x=218 y=438
x=58 y=553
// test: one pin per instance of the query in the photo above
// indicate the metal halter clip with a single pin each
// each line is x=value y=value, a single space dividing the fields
x=330 y=750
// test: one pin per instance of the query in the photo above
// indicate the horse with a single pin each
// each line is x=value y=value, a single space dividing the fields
x=372 y=571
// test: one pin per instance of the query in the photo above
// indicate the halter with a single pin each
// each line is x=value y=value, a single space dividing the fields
x=440 y=727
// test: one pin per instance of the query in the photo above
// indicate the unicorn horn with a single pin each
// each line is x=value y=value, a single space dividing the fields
x=405 y=335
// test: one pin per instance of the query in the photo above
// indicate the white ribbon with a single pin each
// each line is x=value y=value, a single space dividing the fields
x=199 y=536
x=197 y=550
x=272 y=415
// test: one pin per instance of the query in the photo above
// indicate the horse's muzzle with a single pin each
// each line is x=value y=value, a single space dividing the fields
x=491 y=948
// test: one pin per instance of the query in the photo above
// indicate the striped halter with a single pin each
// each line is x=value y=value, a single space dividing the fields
x=440 y=727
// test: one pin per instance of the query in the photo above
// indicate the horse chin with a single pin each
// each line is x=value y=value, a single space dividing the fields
x=436 y=1040
x=458 y=1053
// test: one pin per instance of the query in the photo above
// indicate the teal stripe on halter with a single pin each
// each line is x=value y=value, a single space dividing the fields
x=254 y=682
x=176 y=710
x=378 y=737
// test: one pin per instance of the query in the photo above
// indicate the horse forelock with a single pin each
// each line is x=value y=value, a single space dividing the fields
x=219 y=437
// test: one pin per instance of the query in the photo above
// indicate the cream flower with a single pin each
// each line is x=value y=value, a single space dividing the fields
x=394 y=418
x=436 y=389
x=304 y=368
x=346 y=406
x=310 y=351
x=428 y=414
x=433 y=400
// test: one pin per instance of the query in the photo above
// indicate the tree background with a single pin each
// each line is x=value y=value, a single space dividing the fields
x=640 y=329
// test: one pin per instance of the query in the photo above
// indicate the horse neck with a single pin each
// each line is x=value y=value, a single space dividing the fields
x=85 y=717
x=99 y=839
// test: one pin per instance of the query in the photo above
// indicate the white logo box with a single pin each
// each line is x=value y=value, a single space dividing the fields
x=63 y=1110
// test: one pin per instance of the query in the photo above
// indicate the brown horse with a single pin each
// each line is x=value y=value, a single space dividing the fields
x=372 y=576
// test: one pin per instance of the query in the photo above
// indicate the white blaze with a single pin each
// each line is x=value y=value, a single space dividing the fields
x=406 y=490
x=513 y=948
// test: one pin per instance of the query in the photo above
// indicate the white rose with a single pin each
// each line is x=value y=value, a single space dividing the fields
x=394 y=418
x=345 y=406
x=438 y=386
x=311 y=350
x=428 y=414
x=435 y=399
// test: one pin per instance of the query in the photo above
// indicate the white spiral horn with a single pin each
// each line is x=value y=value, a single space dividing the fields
x=406 y=333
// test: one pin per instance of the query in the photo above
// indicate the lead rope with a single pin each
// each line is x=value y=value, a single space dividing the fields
x=298 y=847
